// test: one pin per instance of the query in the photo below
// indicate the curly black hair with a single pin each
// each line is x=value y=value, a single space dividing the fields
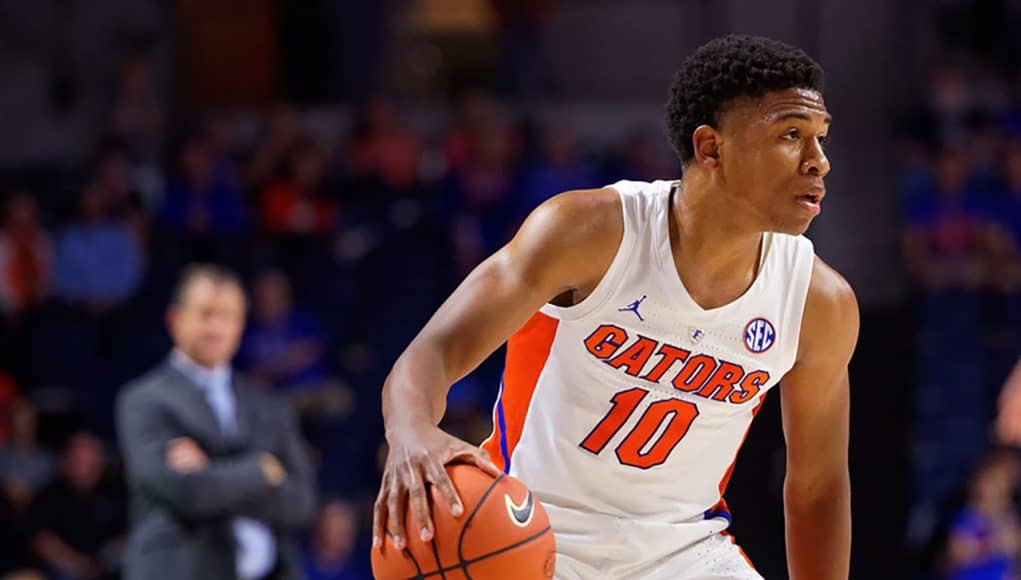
x=728 y=68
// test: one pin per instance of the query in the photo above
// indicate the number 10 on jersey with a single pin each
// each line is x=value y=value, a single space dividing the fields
x=637 y=448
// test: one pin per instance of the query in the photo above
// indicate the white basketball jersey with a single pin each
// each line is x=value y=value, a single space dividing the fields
x=624 y=413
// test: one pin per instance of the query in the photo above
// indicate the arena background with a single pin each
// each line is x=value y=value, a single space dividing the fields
x=353 y=160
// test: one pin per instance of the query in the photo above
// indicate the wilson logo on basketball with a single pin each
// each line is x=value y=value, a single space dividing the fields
x=520 y=514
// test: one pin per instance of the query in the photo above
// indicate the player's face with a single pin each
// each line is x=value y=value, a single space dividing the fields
x=772 y=159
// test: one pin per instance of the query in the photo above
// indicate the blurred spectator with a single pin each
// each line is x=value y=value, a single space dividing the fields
x=281 y=346
x=947 y=252
x=985 y=537
x=1006 y=234
x=331 y=554
x=641 y=159
x=137 y=115
x=984 y=149
x=476 y=109
x=79 y=524
x=120 y=192
x=200 y=200
x=945 y=238
x=951 y=104
x=221 y=140
x=479 y=196
x=10 y=399
x=267 y=161
x=138 y=121
x=16 y=561
x=287 y=348
x=383 y=149
x=219 y=476
x=560 y=168
x=25 y=467
x=1011 y=122
x=98 y=260
x=301 y=203
x=25 y=255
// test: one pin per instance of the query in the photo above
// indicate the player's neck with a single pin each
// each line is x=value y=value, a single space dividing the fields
x=715 y=249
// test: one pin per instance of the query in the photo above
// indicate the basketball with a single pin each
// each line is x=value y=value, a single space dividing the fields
x=503 y=534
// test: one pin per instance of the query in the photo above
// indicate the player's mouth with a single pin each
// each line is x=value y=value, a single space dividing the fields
x=811 y=200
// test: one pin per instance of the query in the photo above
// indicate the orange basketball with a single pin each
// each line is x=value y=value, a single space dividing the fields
x=503 y=534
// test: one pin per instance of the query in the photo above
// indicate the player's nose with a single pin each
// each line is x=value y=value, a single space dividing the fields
x=816 y=163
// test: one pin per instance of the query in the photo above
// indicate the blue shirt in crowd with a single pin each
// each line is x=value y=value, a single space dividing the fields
x=97 y=261
x=996 y=565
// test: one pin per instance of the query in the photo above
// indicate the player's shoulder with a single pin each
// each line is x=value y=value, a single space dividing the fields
x=571 y=237
x=600 y=212
x=828 y=290
x=583 y=209
x=831 y=317
x=576 y=224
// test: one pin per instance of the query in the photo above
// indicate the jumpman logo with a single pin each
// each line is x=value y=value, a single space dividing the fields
x=633 y=307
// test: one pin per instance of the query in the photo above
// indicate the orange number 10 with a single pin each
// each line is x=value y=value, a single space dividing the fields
x=635 y=450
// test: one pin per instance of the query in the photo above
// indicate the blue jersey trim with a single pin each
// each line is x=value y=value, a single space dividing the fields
x=503 y=431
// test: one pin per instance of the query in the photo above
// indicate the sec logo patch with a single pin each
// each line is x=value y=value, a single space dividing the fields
x=759 y=335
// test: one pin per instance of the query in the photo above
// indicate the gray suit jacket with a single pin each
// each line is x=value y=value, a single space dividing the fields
x=181 y=523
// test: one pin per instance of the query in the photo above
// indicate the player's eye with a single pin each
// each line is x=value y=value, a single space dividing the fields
x=791 y=135
x=824 y=140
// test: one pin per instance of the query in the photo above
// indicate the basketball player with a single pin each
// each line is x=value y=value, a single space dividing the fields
x=646 y=324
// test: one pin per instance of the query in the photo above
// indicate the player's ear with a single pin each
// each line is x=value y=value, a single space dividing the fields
x=706 y=141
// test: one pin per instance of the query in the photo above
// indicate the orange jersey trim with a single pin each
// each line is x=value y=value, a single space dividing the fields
x=527 y=352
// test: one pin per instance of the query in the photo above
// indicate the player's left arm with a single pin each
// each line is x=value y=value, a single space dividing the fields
x=815 y=401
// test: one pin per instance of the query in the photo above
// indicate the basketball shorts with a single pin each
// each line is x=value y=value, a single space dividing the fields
x=716 y=557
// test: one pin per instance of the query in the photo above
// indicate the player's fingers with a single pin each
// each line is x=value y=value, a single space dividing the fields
x=419 y=500
x=476 y=456
x=395 y=502
x=480 y=458
x=441 y=481
x=379 y=515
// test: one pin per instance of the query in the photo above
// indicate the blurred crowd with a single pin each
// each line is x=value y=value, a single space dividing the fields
x=961 y=203
x=347 y=243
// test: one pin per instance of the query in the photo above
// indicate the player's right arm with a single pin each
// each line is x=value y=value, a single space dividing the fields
x=566 y=245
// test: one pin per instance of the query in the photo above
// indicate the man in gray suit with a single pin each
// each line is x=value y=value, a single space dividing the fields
x=218 y=474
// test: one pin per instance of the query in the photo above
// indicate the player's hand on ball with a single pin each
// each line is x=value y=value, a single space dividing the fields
x=416 y=458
